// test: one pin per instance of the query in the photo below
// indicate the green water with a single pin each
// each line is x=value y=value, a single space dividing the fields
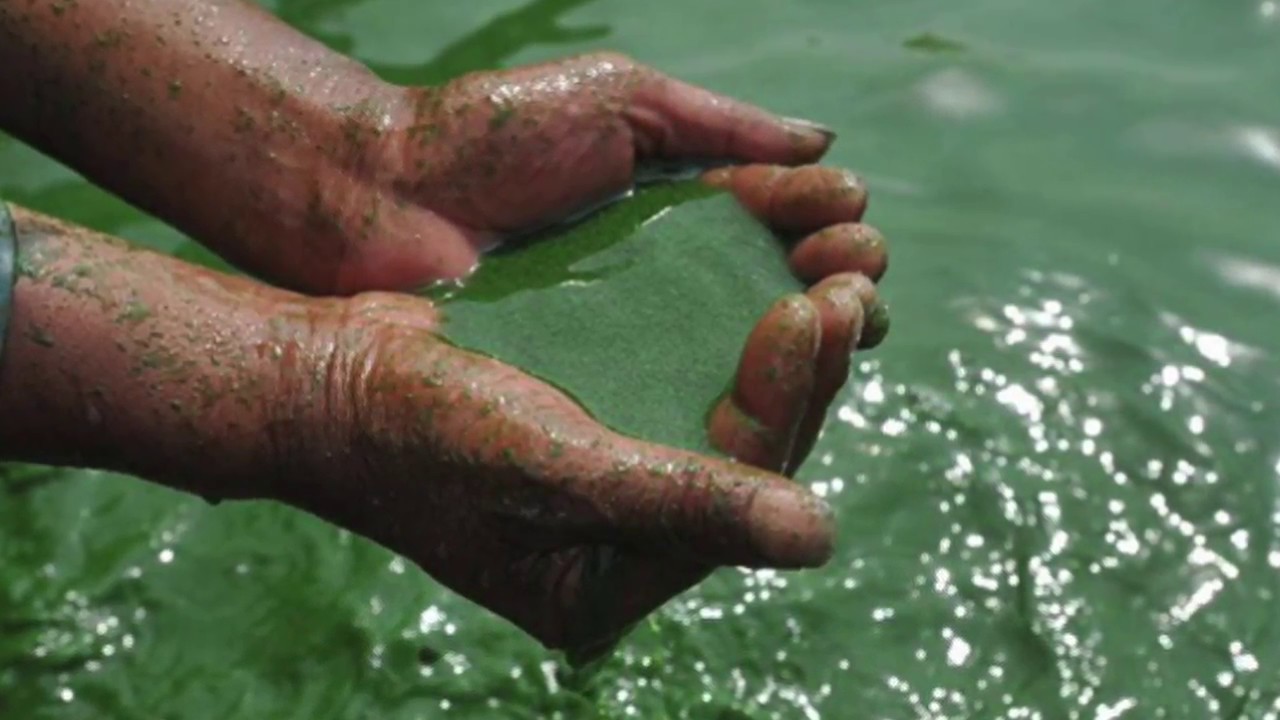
x=1056 y=481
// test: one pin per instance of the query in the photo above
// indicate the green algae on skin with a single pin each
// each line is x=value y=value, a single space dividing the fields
x=503 y=113
x=876 y=326
x=24 y=267
x=130 y=309
x=134 y=72
x=134 y=312
x=110 y=39
x=59 y=7
x=244 y=121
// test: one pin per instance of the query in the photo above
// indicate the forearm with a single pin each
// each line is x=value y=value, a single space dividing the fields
x=211 y=114
x=122 y=359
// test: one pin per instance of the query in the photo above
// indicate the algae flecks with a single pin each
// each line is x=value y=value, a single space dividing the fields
x=933 y=43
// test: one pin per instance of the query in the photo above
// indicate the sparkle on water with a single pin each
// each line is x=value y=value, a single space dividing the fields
x=1056 y=482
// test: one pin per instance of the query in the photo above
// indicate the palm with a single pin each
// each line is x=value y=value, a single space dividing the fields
x=505 y=490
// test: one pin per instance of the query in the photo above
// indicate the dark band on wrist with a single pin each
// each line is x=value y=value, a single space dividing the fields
x=8 y=262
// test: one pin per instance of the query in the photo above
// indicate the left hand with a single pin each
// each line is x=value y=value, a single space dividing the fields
x=447 y=172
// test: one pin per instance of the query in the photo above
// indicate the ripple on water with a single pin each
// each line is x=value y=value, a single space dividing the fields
x=1069 y=526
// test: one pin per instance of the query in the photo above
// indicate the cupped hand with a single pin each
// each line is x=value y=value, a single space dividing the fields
x=451 y=171
x=505 y=490
x=499 y=485
x=794 y=363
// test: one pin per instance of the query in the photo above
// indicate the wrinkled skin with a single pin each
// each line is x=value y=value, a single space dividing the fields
x=570 y=531
x=575 y=533
x=300 y=166
x=493 y=482
x=497 y=154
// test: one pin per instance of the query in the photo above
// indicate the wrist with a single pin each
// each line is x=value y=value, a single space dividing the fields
x=124 y=360
x=325 y=445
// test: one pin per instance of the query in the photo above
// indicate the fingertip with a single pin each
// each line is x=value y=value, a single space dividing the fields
x=811 y=197
x=791 y=323
x=842 y=289
x=808 y=126
x=875 y=324
x=841 y=248
x=796 y=315
x=721 y=177
x=671 y=118
x=809 y=140
x=842 y=316
x=756 y=422
x=791 y=527
x=712 y=512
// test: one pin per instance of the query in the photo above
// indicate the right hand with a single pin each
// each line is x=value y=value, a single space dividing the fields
x=506 y=491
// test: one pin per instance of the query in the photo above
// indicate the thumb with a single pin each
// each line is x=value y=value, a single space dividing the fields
x=675 y=120
x=661 y=500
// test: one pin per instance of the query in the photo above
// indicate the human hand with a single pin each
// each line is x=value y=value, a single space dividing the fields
x=303 y=170
x=492 y=155
x=453 y=170
x=793 y=365
x=506 y=491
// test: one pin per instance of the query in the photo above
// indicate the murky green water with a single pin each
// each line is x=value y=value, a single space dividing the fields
x=1057 y=481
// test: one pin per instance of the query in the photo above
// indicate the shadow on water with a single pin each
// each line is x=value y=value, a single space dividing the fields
x=537 y=23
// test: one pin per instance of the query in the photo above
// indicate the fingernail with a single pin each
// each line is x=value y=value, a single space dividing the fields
x=876 y=326
x=810 y=126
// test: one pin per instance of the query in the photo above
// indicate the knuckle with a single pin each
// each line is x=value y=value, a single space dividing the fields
x=392 y=309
